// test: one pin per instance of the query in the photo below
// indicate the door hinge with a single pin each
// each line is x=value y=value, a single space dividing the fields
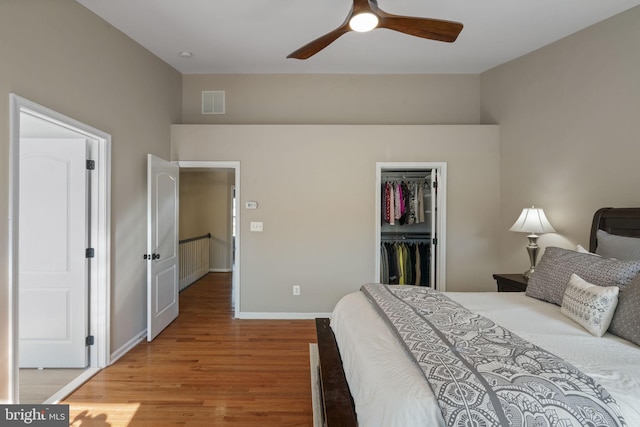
x=91 y=165
x=90 y=253
x=434 y=240
x=435 y=184
x=89 y=340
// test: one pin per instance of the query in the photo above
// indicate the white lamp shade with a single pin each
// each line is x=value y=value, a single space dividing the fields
x=532 y=220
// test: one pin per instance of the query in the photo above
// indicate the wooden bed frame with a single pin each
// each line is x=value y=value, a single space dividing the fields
x=338 y=407
x=619 y=221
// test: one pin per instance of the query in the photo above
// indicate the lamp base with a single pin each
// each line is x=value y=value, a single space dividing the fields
x=527 y=274
x=532 y=250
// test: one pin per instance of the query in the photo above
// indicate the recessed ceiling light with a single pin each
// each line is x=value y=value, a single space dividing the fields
x=186 y=54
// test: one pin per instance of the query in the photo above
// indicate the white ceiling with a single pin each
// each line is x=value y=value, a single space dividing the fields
x=255 y=36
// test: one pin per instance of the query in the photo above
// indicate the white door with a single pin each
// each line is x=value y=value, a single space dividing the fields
x=53 y=317
x=433 y=184
x=162 y=244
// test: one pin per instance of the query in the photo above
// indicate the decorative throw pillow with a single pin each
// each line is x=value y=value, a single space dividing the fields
x=552 y=274
x=589 y=305
x=618 y=247
x=626 y=319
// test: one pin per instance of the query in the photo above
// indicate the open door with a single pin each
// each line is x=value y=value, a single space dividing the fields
x=433 y=184
x=162 y=244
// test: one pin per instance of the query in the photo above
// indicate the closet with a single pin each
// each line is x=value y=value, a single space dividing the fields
x=409 y=224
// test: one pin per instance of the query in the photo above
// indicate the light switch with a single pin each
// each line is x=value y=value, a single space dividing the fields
x=251 y=205
x=256 y=226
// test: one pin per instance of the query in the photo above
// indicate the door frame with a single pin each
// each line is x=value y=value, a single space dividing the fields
x=235 y=275
x=99 y=304
x=441 y=219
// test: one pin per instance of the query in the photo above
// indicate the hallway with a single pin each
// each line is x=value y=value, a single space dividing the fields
x=206 y=369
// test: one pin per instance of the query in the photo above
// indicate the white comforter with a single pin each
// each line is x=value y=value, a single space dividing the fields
x=389 y=390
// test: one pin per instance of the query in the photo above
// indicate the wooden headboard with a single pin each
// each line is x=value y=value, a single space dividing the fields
x=619 y=221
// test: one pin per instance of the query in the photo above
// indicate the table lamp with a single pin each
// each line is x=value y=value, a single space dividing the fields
x=532 y=221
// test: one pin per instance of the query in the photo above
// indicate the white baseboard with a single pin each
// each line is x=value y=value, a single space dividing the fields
x=72 y=386
x=281 y=316
x=220 y=270
x=128 y=346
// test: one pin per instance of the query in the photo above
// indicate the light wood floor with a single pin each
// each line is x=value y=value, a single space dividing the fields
x=206 y=369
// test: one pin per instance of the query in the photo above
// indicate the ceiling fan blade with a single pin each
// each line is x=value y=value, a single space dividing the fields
x=311 y=48
x=434 y=29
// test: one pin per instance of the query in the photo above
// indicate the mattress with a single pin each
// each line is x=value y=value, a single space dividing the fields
x=388 y=389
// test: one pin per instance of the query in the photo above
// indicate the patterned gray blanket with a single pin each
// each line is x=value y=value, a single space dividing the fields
x=484 y=375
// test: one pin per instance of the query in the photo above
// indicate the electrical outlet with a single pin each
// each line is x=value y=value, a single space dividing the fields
x=296 y=289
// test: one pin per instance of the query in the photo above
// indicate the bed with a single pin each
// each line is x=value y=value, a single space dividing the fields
x=370 y=378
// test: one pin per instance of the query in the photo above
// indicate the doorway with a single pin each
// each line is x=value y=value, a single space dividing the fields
x=30 y=120
x=421 y=230
x=234 y=212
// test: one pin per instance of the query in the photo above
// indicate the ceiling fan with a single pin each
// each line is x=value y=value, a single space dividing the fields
x=365 y=15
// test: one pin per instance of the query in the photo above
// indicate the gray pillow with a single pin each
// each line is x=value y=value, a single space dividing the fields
x=549 y=280
x=618 y=247
x=626 y=319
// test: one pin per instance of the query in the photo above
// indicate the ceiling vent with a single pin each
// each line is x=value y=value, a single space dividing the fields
x=213 y=102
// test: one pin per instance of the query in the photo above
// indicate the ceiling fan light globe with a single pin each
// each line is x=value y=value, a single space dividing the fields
x=363 y=22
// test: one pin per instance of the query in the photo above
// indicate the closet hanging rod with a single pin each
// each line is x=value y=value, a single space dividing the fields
x=404 y=233
x=404 y=175
x=405 y=178
x=405 y=236
x=403 y=240
x=422 y=171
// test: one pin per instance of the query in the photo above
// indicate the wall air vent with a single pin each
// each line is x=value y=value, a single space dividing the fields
x=213 y=102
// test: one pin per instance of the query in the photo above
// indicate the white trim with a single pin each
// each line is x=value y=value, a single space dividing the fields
x=282 y=316
x=14 y=173
x=70 y=388
x=235 y=165
x=101 y=290
x=441 y=229
x=220 y=270
x=232 y=215
x=441 y=224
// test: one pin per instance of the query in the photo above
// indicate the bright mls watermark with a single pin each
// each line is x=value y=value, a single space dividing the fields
x=34 y=415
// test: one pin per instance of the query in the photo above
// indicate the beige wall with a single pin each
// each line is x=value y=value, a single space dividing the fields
x=60 y=55
x=315 y=188
x=336 y=99
x=205 y=207
x=569 y=117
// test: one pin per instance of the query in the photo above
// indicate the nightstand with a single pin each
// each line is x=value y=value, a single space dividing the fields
x=511 y=282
